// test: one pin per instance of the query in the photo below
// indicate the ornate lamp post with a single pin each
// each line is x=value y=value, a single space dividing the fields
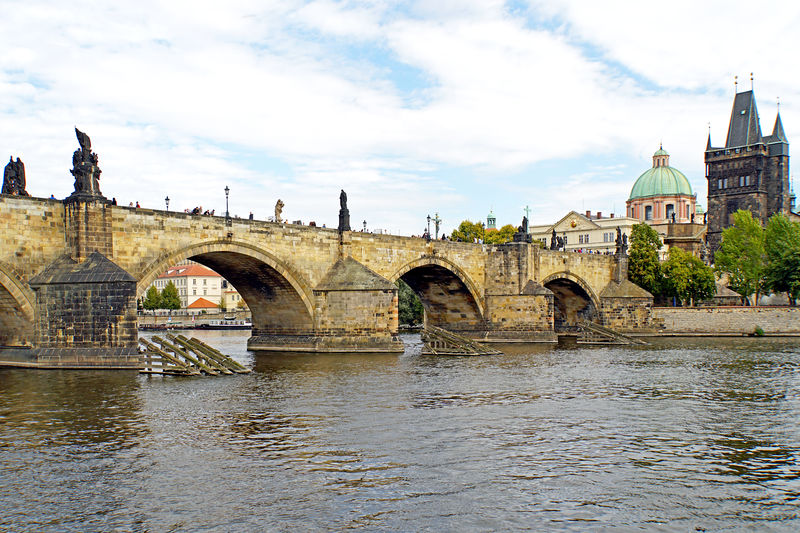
x=429 y=228
x=166 y=201
x=227 y=213
x=436 y=221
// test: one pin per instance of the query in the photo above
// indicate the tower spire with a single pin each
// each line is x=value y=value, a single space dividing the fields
x=751 y=81
x=708 y=144
x=736 y=84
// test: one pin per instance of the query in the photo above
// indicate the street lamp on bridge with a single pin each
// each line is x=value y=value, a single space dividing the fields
x=166 y=201
x=428 y=233
x=227 y=213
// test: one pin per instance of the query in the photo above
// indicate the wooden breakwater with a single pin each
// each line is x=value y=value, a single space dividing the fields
x=181 y=356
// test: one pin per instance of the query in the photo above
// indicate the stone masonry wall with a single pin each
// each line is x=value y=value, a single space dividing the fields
x=627 y=314
x=727 y=320
x=31 y=233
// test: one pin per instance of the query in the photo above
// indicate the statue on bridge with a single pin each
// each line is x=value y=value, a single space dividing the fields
x=554 y=241
x=84 y=168
x=621 y=242
x=278 y=211
x=344 y=213
x=14 y=178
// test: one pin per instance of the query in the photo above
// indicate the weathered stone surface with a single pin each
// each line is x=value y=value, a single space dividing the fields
x=289 y=276
x=727 y=320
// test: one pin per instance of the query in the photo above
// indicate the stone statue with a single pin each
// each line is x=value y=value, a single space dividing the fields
x=278 y=211
x=621 y=242
x=524 y=225
x=344 y=213
x=14 y=178
x=554 y=241
x=84 y=168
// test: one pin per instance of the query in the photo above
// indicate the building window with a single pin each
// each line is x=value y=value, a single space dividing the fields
x=204 y=281
x=580 y=239
x=670 y=211
x=205 y=292
x=586 y=239
x=194 y=292
x=648 y=212
x=194 y=281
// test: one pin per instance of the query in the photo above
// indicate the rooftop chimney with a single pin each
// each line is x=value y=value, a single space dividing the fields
x=599 y=214
x=612 y=215
x=588 y=214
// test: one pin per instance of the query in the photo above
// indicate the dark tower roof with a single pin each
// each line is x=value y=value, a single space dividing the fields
x=778 y=135
x=744 y=128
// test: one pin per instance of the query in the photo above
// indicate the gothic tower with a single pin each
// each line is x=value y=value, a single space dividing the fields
x=751 y=172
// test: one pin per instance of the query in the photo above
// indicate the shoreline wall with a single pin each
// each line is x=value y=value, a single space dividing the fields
x=738 y=320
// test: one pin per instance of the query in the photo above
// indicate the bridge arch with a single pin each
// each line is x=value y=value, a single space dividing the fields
x=449 y=296
x=16 y=308
x=573 y=299
x=279 y=298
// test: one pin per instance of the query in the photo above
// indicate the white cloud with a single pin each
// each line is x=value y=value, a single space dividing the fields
x=173 y=93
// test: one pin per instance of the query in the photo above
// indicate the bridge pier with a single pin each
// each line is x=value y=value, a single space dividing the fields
x=355 y=310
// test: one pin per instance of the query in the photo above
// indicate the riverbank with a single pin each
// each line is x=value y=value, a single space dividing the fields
x=733 y=321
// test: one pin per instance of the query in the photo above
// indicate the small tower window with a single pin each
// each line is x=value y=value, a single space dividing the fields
x=648 y=212
x=670 y=210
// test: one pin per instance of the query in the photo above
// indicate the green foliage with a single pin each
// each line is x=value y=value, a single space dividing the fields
x=758 y=332
x=152 y=299
x=410 y=307
x=644 y=269
x=782 y=246
x=687 y=278
x=169 y=297
x=742 y=255
x=468 y=231
x=503 y=235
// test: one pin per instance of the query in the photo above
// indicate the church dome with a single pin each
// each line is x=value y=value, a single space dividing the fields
x=661 y=180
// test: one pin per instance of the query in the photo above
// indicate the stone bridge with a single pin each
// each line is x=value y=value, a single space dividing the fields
x=71 y=271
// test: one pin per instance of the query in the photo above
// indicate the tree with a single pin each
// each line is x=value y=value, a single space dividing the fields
x=644 y=268
x=169 y=297
x=409 y=306
x=152 y=299
x=468 y=231
x=782 y=247
x=687 y=278
x=503 y=235
x=742 y=255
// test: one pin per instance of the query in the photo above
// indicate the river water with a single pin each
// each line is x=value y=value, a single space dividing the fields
x=683 y=435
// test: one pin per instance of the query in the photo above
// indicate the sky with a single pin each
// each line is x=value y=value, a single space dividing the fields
x=455 y=107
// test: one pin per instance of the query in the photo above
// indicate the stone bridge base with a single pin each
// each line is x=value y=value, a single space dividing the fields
x=325 y=344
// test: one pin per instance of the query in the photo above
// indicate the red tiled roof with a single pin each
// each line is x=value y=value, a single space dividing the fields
x=201 y=303
x=188 y=270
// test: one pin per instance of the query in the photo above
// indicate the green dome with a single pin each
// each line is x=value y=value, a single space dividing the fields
x=699 y=209
x=661 y=181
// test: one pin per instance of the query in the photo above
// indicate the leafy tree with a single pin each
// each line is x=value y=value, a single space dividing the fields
x=169 y=297
x=152 y=299
x=742 y=255
x=468 y=231
x=644 y=268
x=410 y=307
x=504 y=234
x=782 y=246
x=687 y=277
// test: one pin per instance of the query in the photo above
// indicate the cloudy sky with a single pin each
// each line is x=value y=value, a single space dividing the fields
x=448 y=106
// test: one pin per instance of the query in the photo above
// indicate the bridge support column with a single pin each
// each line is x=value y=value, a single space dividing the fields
x=355 y=310
x=518 y=309
x=624 y=306
x=85 y=315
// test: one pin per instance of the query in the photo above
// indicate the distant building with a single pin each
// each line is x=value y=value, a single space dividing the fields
x=201 y=305
x=750 y=172
x=662 y=194
x=585 y=233
x=491 y=221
